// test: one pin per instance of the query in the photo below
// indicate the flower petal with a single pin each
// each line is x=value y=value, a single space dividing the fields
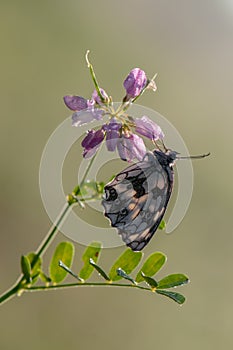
x=86 y=116
x=90 y=152
x=112 y=135
x=131 y=147
x=148 y=128
x=75 y=103
x=134 y=83
x=93 y=139
x=139 y=148
x=81 y=118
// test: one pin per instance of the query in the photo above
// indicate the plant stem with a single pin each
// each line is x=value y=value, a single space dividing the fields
x=10 y=293
x=87 y=170
x=93 y=284
x=50 y=235
x=52 y=230
x=89 y=65
x=19 y=285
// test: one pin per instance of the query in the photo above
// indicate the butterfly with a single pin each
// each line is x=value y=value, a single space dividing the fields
x=135 y=201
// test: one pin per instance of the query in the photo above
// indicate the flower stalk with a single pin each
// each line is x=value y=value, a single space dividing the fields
x=89 y=65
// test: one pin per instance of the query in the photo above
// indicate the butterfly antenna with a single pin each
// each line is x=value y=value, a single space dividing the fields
x=195 y=157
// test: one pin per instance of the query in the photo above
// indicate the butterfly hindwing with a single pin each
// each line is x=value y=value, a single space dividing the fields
x=136 y=199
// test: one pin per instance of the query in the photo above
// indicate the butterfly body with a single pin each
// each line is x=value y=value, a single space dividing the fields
x=136 y=199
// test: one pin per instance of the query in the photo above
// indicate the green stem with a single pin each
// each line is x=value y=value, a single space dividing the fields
x=87 y=170
x=93 y=284
x=53 y=230
x=10 y=293
x=19 y=284
x=89 y=65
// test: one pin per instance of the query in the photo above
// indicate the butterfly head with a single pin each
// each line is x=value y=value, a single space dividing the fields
x=167 y=158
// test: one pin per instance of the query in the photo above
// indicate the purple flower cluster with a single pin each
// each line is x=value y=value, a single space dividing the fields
x=119 y=132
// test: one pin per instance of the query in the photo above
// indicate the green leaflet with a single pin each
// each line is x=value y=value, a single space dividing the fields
x=91 y=252
x=151 y=266
x=35 y=263
x=177 y=297
x=100 y=271
x=150 y=281
x=124 y=275
x=127 y=262
x=174 y=280
x=65 y=253
x=26 y=268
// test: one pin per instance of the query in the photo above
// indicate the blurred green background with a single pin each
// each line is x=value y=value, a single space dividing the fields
x=189 y=44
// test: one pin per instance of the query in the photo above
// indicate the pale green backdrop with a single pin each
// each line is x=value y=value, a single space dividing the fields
x=189 y=44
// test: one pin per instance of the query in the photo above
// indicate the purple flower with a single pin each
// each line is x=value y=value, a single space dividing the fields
x=146 y=127
x=135 y=83
x=75 y=103
x=112 y=134
x=117 y=132
x=131 y=147
x=92 y=142
x=85 y=111
x=96 y=97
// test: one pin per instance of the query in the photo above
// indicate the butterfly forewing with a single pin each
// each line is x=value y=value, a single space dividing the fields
x=136 y=199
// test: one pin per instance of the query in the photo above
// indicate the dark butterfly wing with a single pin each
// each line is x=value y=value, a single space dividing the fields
x=136 y=200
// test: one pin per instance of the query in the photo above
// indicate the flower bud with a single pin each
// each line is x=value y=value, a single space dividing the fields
x=135 y=83
x=75 y=103
x=91 y=142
